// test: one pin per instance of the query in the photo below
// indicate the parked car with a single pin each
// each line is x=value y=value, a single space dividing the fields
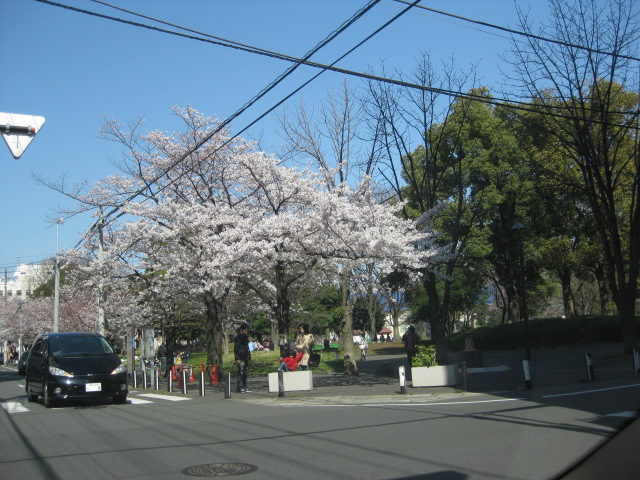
x=75 y=365
x=22 y=363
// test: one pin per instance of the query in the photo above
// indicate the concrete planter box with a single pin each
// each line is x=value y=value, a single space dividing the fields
x=438 y=376
x=293 y=381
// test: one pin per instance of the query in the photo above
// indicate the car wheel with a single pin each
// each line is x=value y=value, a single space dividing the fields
x=119 y=399
x=31 y=397
x=46 y=398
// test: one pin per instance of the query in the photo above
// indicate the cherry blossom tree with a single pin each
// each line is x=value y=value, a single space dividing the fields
x=210 y=214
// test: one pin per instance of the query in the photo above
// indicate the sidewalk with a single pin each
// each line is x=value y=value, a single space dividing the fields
x=502 y=372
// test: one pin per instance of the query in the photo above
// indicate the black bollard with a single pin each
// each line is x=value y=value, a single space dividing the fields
x=227 y=387
x=463 y=372
x=280 y=383
x=636 y=362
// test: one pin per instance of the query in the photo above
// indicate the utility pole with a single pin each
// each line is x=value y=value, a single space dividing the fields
x=102 y=318
x=56 y=296
x=519 y=229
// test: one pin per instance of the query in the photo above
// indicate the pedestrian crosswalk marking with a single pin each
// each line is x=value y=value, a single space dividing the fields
x=14 y=407
x=17 y=407
x=163 y=397
x=138 y=401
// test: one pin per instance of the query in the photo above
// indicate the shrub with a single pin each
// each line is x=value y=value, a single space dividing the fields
x=425 y=356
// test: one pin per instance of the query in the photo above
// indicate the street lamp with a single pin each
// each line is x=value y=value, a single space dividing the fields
x=518 y=229
x=56 y=301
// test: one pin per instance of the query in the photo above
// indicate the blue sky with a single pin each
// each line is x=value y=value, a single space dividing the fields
x=73 y=68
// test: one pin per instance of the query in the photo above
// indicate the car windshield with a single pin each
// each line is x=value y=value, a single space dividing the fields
x=81 y=345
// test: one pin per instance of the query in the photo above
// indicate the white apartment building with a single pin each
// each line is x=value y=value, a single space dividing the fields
x=26 y=278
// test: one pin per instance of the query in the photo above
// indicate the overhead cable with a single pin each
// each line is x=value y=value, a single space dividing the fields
x=521 y=33
x=323 y=43
x=514 y=104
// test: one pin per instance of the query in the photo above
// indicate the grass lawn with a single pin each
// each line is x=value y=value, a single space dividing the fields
x=263 y=362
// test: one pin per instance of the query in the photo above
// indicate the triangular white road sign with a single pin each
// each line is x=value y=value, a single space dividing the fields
x=18 y=130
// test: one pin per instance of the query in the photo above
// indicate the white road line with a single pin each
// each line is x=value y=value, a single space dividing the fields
x=584 y=392
x=163 y=397
x=14 y=407
x=412 y=404
x=454 y=402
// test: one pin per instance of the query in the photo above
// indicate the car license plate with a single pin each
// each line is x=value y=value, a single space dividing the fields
x=93 y=387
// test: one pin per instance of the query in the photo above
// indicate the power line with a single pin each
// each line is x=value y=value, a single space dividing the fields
x=514 y=104
x=334 y=34
x=517 y=105
x=378 y=30
x=520 y=33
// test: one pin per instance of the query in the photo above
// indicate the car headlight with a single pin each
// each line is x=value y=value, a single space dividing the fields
x=59 y=372
x=120 y=369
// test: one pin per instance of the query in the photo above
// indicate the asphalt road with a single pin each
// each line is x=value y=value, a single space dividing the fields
x=441 y=435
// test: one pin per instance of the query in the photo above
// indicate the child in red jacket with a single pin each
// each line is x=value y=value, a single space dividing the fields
x=291 y=362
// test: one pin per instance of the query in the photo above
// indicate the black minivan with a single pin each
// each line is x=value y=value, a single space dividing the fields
x=72 y=365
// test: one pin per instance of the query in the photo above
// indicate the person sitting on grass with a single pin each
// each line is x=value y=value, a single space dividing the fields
x=290 y=363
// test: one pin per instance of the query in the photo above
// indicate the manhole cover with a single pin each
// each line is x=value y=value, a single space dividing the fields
x=219 y=469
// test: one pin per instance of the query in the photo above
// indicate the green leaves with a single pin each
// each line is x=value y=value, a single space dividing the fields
x=425 y=356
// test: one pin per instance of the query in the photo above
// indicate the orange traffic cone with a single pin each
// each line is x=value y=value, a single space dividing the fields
x=174 y=375
x=191 y=377
x=214 y=375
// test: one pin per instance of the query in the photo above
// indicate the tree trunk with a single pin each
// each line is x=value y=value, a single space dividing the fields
x=213 y=330
x=372 y=310
x=274 y=331
x=437 y=318
x=171 y=347
x=511 y=303
x=347 y=303
x=567 y=293
x=282 y=309
x=626 y=309
x=603 y=289
x=225 y=341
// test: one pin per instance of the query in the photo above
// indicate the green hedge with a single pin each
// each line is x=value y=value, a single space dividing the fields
x=548 y=332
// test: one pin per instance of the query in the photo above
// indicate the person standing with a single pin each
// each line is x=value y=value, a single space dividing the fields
x=162 y=357
x=411 y=340
x=304 y=344
x=242 y=357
